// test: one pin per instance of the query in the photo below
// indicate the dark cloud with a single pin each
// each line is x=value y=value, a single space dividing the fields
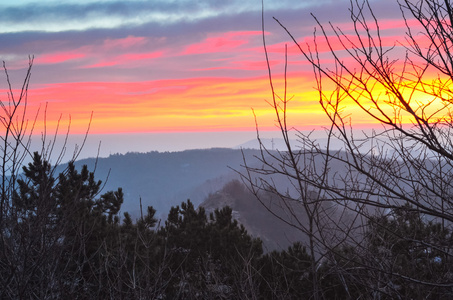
x=62 y=11
x=122 y=12
x=177 y=34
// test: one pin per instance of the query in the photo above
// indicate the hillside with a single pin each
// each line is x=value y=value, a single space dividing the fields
x=259 y=222
x=165 y=179
x=207 y=178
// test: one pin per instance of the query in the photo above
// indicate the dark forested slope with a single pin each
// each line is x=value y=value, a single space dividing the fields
x=163 y=179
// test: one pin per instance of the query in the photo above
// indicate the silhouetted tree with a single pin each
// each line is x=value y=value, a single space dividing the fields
x=287 y=274
x=212 y=258
x=406 y=167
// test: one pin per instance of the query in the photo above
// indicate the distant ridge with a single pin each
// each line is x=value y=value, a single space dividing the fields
x=165 y=179
x=268 y=143
x=278 y=144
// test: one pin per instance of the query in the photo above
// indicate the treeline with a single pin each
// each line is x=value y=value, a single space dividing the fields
x=61 y=238
x=161 y=177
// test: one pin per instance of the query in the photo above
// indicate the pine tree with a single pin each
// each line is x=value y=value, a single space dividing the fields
x=57 y=232
x=286 y=274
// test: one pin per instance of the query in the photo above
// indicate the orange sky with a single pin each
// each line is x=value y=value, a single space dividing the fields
x=205 y=74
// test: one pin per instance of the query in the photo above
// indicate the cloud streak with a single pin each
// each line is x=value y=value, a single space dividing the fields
x=167 y=65
x=58 y=16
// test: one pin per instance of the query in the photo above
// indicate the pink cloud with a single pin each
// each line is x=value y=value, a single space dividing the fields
x=322 y=45
x=140 y=56
x=55 y=58
x=101 y=64
x=125 y=59
x=243 y=65
x=224 y=43
x=198 y=102
x=107 y=46
x=127 y=42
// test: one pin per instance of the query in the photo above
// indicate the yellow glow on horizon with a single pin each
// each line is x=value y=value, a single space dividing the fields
x=193 y=104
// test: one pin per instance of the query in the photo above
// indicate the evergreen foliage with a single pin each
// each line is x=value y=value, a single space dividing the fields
x=65 y=239
x=399 y=257
x=287 y=274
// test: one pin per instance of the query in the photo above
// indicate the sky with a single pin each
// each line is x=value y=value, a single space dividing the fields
x=161 y=67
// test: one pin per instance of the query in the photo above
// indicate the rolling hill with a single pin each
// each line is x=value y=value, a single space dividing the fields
x=165 y=179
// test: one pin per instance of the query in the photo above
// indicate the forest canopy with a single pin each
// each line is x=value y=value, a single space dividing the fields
x=375 y=217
